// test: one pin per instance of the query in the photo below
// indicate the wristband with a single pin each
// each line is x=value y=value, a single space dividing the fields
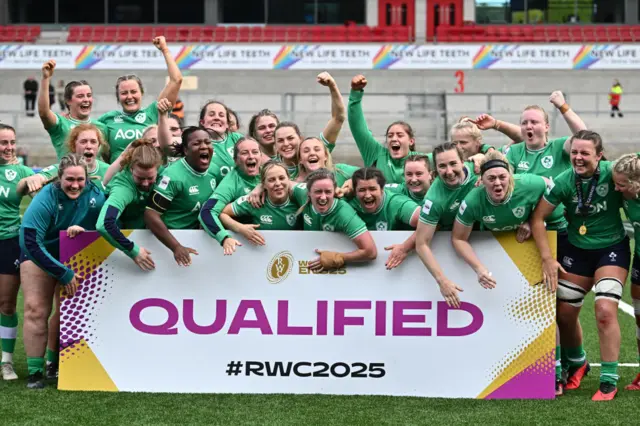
x=564 y=108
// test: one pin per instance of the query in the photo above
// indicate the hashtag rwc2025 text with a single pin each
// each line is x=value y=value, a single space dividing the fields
x=373 y=370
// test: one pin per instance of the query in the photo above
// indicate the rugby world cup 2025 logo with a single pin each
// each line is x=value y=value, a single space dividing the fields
x=280 y=267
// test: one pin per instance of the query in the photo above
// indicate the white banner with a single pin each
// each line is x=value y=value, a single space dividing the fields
x=260 y=322
x=326 y=56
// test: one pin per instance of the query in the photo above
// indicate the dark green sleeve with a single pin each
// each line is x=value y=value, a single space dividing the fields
x=368 y=146
x=120 y=196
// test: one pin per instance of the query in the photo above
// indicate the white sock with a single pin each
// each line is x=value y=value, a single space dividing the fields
x=7 y=357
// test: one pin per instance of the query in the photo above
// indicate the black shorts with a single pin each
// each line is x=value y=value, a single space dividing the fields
x=635 y=270
x=9 y=256
x=585 y=263
x=562 y=243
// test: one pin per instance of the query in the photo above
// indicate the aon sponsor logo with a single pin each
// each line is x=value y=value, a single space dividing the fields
x=595 y=208
x=128 y=134
x=4 y=191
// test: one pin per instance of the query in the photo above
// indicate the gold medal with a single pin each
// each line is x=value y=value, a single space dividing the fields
x=583 y=230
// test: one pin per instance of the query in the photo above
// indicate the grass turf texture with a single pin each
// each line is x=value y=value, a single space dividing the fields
x=24 y=407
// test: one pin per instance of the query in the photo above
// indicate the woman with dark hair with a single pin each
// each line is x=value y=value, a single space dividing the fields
x=71 y=204
x=181 y=191
x=78 y=98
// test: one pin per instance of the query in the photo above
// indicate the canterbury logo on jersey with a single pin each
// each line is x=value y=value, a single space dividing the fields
x=265 y=218
x=193 y=190
x=523 y=165
x=307 y=219
x=489 y=219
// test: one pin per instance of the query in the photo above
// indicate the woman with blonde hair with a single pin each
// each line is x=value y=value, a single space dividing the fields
x=278 y=213
x=503 y=202
x=129 y=193
x=626 y=177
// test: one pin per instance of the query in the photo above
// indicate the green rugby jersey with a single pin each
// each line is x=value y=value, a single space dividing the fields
x=10 y=175
x=632 y=209
x=235 y=185
x=394 y=213
x=549 y=162
x=508 y=215
x=373 y=153
x=603 y=221
x=124 y=128
x=270 y=217
x=401 y=188
x=59 y=132
x=339 y=218
x=223 y=152
x=441 y=203
x=187 y=190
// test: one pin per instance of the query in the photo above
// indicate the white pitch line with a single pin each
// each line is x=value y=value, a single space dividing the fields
x=593 y=364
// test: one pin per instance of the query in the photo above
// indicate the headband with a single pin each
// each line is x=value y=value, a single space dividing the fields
x=491 y=164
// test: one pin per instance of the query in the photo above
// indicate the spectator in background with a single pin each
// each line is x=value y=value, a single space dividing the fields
x=60 y=95
x=52 y=95
x=22 y=156
x=178 y=111
x=615 y=94
x=30 y=94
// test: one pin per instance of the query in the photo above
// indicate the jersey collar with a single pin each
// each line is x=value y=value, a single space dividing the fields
x=188 y=167
x=506 y=200
x=278 y=206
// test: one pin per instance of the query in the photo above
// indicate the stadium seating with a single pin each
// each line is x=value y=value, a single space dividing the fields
x=241 y=34
x=19 y=33
x=538 y=33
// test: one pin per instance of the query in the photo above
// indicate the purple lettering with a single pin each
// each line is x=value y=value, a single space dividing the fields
x=322 y=318
x=340 y=320
x=169 y=326
x=239 y=320
x=283 y=322
x=400 y=318
x=190 y=323
x=381 y=318
x=477 y=319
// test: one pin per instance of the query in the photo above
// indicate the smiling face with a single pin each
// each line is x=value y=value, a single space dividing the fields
x=467 y=143
x=144 y=178
x=215 y=118
x=249 y=157
x=533 y=127
x=584 y=158
x=287 y=141
x=7 y=145
x=399 y=141
x=321 y=195
x=417 y=177
x=265 y=130
x=129 y=96
x=73 y=181
x=199 y=150
x=276 y=183
x=81 y=102
x=313 y=155
x=496 y=183
x=88 y=145
x=450 y=168
x=369 y=195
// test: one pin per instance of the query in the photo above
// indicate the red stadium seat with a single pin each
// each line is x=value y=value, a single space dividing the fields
x=613 y=33
x=626 y=35
x=244 y=34
x=122 y=36
x=231 y=35
x=589 y=34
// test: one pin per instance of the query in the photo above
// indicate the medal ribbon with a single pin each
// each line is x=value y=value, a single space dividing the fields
x=583 y=206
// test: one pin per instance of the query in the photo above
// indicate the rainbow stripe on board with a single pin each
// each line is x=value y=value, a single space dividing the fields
x=91 y=55
x=191 y=55
x=587 y=55
x=387 y=56
x=484 y=59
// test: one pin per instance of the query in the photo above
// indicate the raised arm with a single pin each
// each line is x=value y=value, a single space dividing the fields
x=367 y=145
x=47 y=116
x=486 y=122
x=460 y=241
x=572 y=119
x=172 y=88
x=338 y=111
x=165 y=138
